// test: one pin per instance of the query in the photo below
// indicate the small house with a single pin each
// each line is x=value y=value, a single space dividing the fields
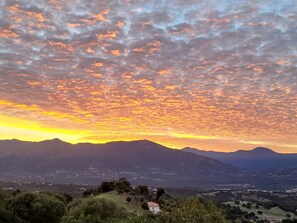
x=153 y=207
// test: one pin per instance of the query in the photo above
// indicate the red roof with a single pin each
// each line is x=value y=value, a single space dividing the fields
x=152 y=204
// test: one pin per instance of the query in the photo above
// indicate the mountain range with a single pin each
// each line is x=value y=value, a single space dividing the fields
x=258 y=159
x=140 y=161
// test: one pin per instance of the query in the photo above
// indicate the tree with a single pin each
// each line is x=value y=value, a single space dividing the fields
x=192 y=210
x=92 y=210
x=106 y=187
x=145 y=206
x=142 y=189
x=160 y=192
x=36 y=208
x=6 y=216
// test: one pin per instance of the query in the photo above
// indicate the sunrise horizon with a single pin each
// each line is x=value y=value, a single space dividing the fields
x=219 y=76
x=126 y=111
x=249 y=147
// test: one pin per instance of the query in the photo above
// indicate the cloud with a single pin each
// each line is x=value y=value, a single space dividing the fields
x=223 y=69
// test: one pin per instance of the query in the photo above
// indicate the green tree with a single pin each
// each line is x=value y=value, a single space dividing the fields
x=160 y=192
x=106 y=187
x=142 y=190
x=145 y=206
x=36 y=208
x=6 y=216
x=192 y=210
x=92 y=210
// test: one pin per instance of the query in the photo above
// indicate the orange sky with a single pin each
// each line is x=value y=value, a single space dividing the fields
x=104 y=71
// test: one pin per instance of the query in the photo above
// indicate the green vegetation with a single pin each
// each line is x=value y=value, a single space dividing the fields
x=111 y=202
x=261 y=212
x=33 y=208
x=93 y=210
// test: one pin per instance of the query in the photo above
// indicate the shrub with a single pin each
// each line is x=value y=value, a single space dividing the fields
x=36 y=208
x=160 y=192
x=92 y=210
x=106 y=187
x=144 y=206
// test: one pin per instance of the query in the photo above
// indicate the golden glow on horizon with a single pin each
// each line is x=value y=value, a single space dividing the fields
x=31 y=131
x=103 y=71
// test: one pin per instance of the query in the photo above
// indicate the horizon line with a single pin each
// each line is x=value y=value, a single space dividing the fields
x=129 y=141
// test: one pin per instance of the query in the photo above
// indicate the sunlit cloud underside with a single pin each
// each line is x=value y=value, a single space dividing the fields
x=216 y=75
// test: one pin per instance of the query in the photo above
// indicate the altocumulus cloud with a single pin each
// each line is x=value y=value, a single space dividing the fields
x=156 y=69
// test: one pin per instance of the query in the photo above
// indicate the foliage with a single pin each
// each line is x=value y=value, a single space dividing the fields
x=192 y=210
x=141 y=190
x=36 y=208
x=6 y=216
x=106 y=187
x=135 y=219
x=92 y=210
x=160 y=192
x=102 y=206
x=144 y=206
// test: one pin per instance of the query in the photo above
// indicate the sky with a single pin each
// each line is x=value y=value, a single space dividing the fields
x=214 y=75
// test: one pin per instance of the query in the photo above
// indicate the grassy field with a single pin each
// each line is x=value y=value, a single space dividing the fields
x=120 y=199
x=275 y=213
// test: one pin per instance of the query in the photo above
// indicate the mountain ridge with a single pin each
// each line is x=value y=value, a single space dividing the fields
x=258 y=159
x=55 y=160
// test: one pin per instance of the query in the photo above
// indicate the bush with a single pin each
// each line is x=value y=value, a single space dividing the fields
x=36 y=208
x=128 y=199
x=144 y=206
x=142 y=190
x=192 y=210
x=142 y=199
x=92 y=210
x=7 y=217
x=106 y=187
x=160 y=192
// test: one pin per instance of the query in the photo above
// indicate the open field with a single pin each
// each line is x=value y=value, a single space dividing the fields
x=275 y=213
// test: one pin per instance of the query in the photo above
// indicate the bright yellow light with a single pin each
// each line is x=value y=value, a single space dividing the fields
x=17 y=128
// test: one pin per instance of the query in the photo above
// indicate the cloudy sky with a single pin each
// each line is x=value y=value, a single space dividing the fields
x=216 y=75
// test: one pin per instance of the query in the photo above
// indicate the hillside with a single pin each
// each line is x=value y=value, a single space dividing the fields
x=258 y=159
x=140 y=161
x=111 y=202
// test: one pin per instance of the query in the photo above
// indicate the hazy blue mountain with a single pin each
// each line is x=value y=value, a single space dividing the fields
x=258 y=159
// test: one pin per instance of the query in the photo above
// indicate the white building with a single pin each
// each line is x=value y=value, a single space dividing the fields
x=154 y=207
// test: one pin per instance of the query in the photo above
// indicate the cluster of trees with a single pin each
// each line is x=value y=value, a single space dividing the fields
x=121 y=186
x=24 y=207
x=286 y=203
x=236 y=214
x=89 y=210
x=32 y=208
x=190 y=210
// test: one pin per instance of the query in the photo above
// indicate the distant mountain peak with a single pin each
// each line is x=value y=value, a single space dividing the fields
x=55 y=141
x=263 y=150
